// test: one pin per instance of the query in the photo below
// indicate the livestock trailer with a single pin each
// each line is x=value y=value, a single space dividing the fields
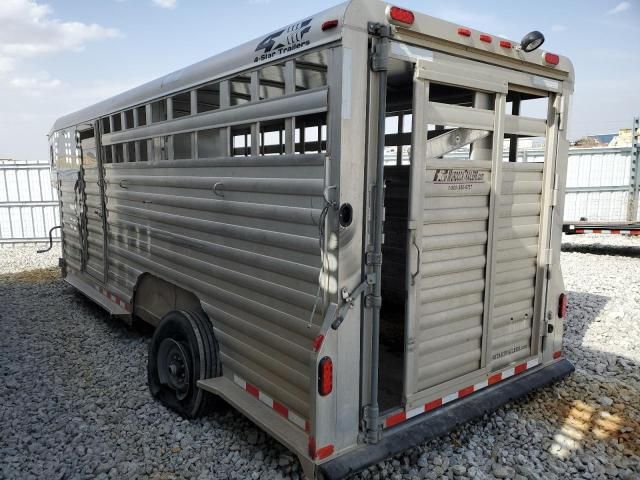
x=350 y=306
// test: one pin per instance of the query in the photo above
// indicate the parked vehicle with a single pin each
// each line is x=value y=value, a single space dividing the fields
x=603 y=188
x=239 y=205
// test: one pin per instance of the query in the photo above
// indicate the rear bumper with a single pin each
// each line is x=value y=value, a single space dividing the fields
x=434 y=424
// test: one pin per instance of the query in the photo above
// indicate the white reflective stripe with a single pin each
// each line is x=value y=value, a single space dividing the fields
x=508 y=373
x=588 y=231
x=450 y=398
x=625 y=232
x=264 y=398
x=481 y=385
x=605 y=231
x=415 y=411
x=296 y=420
x=238 y=381
x=532 y=363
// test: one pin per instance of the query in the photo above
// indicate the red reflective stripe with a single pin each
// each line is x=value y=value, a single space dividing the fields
x=312 y=447
x=324 y=452
x=520 y=368
x=494 y=378
x=465 y=391
x=615 y=232
x=317 y=342
x=281 y=409
x=433 y=404
x=395 y=419
x=253 y=390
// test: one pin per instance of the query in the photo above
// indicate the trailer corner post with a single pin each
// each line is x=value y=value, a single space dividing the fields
x=379 y=64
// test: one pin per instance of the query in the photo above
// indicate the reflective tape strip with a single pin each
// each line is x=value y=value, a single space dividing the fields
x=399 y=417
x=608 y=232
x=114 y=298
x=293 y=417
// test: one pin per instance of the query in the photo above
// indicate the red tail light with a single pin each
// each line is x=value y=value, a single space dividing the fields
x=401 y=15
x=485 y=38
x=551 y=58
x=505 y=43
x=325 y=376
x=562 y=305
x=465 y=32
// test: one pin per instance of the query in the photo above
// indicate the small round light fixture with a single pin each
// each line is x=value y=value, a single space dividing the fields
x=532 y=41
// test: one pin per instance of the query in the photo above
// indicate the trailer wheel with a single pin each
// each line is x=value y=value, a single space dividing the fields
x=182 y=351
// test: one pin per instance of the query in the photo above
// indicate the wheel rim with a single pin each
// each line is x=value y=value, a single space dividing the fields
x=173 y=367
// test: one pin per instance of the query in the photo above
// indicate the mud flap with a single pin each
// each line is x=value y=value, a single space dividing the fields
x=434 y=424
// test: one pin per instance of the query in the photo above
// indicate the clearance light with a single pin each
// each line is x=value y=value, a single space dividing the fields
x=485 y=38
x=563 y=301
x=329 y=24
x=505 y=44
x=551 y=58
x=401 y=15
x=325 y=376
x=464 y=32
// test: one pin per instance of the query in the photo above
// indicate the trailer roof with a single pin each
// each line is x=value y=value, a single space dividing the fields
x=298 y=37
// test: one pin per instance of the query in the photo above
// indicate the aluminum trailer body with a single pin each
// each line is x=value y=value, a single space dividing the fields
x=241 y=202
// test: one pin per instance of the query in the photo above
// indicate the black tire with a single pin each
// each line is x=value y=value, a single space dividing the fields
x=182 y=351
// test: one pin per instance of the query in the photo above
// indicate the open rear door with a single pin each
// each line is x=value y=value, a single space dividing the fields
x=476 y=232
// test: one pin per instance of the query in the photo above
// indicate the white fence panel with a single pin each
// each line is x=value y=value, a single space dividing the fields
x=28 y=203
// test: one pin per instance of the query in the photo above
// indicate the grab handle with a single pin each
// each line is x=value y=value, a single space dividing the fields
x=415 y=244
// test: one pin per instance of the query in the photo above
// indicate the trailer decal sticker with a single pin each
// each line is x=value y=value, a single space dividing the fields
x=399 y=417
x=294 y=418
x=509 y=351
x=455 y=175
x=458 y=178
x=284 y=41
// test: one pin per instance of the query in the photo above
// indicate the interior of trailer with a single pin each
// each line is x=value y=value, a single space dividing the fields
x=397 y=173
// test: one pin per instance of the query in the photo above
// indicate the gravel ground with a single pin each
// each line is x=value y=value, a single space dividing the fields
x=74 y=401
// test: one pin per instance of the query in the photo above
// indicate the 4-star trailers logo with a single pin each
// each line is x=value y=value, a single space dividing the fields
x=283 y=41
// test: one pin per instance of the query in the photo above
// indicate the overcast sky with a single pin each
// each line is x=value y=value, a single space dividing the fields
x=58 y=56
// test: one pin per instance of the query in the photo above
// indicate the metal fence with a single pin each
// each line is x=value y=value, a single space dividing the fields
x=28 y=203
x=603 y=184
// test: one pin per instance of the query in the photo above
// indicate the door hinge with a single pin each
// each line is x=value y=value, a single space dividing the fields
x=554 y=197
x=381 y=49
x=373 y=258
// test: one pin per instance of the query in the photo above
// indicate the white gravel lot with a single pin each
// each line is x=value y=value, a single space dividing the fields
x=74 y=401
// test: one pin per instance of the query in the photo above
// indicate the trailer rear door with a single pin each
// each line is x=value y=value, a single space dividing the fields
x=475 y=235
